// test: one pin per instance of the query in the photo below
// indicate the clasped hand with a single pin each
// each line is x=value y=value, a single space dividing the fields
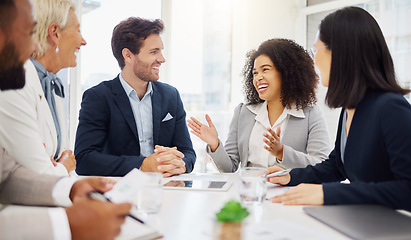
x=165 y=160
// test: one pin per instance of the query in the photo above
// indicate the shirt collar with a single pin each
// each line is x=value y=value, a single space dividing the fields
x=261 y=112
x=41 y=71
x=262 y=108
x=129 y=90
x=294 y=112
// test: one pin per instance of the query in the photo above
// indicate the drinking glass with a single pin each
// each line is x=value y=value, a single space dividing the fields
x=150 y=197
x=253 y=187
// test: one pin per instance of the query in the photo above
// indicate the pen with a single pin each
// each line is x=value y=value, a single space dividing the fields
x=280 y=173
x=100 y=197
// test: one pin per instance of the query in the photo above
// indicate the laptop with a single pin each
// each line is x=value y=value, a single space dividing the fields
x=364 y=221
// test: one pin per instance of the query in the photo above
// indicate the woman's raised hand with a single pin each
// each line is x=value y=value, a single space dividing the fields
x=206 y=133
x=273 y=143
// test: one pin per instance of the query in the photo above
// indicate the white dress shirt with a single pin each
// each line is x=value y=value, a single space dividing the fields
x=143 y=115
x=257 y=154
x=58 y=216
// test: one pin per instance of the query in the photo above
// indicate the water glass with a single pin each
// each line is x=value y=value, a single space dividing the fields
x=150 y=197
x=253 y=187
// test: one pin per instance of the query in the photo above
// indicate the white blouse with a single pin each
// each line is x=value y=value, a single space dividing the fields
x=257 y=155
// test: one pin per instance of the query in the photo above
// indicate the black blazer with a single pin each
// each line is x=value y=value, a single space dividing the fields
x=107 y=142
x=377 y=156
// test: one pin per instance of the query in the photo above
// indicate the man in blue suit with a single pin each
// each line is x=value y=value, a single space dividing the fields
x=133 y=121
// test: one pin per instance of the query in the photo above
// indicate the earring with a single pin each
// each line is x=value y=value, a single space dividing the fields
x=57 y=49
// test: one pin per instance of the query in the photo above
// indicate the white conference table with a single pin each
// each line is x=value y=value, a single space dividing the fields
x=190 y=214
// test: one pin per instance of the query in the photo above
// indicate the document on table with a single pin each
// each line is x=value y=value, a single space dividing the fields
x=280 y=229
x=275 y=189
x=132 y=229
x=126 y=188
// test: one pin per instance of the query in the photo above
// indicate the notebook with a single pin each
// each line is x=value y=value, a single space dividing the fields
x=364 y=221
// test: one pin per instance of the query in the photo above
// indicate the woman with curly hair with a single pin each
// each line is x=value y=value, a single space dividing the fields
x=279 y=116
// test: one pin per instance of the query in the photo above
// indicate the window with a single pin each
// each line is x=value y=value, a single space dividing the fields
x=98 y=22
x=199 y=61
x=393 y=17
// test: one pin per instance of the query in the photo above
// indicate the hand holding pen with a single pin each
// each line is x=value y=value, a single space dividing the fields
x=100 y=197
x=278 y=175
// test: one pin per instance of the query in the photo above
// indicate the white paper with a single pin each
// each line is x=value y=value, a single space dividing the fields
x=126 y=188
x=275 y=189
x=132 y=229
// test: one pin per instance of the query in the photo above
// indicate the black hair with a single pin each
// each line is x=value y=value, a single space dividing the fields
x=8 y=13
x=360 y=57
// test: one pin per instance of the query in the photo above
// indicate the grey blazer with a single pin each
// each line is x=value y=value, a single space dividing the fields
x=22 y=186
x=306 y=141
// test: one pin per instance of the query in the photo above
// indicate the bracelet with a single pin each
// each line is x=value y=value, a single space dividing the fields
x=278 y=160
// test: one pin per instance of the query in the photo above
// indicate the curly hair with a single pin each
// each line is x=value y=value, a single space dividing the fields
x=298 y=77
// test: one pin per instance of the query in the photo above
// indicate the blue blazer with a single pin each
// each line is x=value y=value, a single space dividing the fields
x=377 y=156
x=107 y=142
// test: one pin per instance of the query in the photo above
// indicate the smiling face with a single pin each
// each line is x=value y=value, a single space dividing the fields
x=267 y=80
x=70 y=41
x=148 y=61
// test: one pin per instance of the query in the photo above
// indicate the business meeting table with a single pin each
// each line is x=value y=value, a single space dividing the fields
x=191 y=214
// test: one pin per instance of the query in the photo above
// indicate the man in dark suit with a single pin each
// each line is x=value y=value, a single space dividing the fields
x=133 y=121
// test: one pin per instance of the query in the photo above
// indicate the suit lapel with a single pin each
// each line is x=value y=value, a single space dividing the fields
x=43 y=108
x=123 y=103
x=156 y=108
x=247 y=121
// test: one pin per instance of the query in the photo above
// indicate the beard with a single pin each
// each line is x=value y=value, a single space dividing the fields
x=144 y=72
x=12 y=73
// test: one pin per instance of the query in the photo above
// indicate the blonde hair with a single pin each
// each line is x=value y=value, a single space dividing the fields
x=47 y=12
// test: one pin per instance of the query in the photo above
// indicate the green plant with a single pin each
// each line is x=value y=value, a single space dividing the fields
x=232 y=212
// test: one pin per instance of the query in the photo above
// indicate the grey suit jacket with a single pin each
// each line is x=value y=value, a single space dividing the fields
x=22 y=186
x=306 y=141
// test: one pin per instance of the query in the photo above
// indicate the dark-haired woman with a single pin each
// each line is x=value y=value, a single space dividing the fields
x=280 y=125
x=373 y=145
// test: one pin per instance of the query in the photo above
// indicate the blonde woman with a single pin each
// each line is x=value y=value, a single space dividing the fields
x=33 y=127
